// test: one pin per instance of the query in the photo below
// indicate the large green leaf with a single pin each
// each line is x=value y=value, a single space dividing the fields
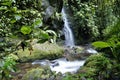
x=26 y=30
x=44 y=34
x=100 y=44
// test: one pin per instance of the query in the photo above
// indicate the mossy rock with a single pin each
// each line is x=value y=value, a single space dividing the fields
x=76 y=53
x=37 y=74
x=96 y=66
x=98 y=61
x=41 y=51
x=41 y=74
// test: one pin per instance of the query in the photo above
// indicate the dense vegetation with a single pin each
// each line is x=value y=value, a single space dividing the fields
x=92 y=20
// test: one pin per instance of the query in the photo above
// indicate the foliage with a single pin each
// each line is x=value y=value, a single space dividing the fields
x=7 y=65
x=104 y=15
x=84 y=17
x=111 y=48
x=99 y=65
x=111 y=44
x=92 y=17
x=116 y=8
x=69 y=77
x=112 y=30
x=20 y=20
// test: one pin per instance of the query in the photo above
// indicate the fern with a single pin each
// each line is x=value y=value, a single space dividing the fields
x=113 y=30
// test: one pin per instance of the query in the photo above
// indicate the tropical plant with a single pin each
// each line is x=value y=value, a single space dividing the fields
x=20 y=22
x=7 y=65
x=112 y=30
x=110 y=48
x=112 y=44
x=86 y=29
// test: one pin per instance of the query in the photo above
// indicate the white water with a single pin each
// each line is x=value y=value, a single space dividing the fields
x=90 y=50
x=67 y=66
x=69 y=39
x=61 y=65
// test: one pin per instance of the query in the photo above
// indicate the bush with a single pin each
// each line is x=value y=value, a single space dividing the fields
x=7 y=65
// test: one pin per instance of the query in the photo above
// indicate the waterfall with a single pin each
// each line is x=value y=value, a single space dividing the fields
x=69 y=39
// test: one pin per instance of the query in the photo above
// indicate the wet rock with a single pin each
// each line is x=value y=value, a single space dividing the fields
x=22 y=68
x=54 y=63
x=78 y=52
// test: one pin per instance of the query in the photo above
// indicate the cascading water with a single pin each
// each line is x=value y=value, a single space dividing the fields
x=62 y=65
x=69 y=39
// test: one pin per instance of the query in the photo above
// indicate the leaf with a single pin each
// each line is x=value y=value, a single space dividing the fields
x=37 y=23
x=13 y=21
x=7 y=3
x=54 y=35
x=52 y=32
x=42 y=40
x=3 y=8
x=26 y=30
x=100 y=44
x=44 y=34
x=14 y=9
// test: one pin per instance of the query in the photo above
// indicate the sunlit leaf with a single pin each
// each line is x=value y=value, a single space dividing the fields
x=26 y=29
x=44 y=35
x=14 y=9
x=13 y=21
x=100 y=44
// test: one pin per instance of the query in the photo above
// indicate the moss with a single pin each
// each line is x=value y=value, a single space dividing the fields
x=41 y=51
x=34 y=74
x=98 y=61
x=96 y=67
x=14 y=57
x=41 y=74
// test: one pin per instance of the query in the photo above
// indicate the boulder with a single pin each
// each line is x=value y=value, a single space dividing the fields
x=78 y=52
x=41 y=51
x=41 y=74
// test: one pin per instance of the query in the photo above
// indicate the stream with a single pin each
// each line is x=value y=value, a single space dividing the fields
x=61 y=65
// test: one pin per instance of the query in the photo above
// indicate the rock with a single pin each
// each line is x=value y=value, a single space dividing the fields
x=22 y=68
x=96 y=67
x=41 y=74
x=78 y=52
x=54 y=63
x=41 y=51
